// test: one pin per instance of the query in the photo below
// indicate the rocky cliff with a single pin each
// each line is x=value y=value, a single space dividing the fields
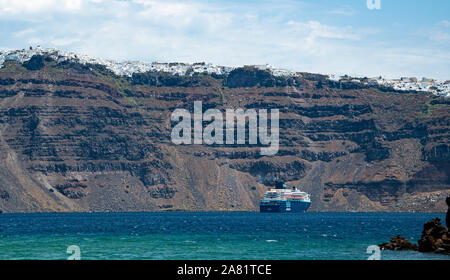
x=77 y=137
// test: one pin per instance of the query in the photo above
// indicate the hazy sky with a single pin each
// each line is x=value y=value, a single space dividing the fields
x=403 y=38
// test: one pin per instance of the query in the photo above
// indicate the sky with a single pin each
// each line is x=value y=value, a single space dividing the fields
x=402 y=38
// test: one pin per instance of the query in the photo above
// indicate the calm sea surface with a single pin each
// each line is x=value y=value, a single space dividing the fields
x=211 y=235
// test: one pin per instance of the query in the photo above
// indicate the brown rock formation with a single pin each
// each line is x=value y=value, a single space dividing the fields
x=435 y=238
x=398 y=244
x=78 y=138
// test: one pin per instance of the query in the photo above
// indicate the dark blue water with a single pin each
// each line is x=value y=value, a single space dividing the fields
x=184 y=235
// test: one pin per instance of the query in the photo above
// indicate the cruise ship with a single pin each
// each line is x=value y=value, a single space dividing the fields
x=283 y=200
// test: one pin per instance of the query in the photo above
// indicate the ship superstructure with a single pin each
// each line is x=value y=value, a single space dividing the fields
x=282 y=199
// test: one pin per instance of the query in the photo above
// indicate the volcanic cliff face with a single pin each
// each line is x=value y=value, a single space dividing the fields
x=79 y=138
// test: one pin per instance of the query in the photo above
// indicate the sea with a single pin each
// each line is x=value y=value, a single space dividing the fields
x=209 y=236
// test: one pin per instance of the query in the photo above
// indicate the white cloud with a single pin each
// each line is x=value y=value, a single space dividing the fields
x=343 y=11
x=24 y=6
x=315 y=29
x=226 y=33
x=444 y=23
x=24 y=32
x=16 y=7
x=439 y=33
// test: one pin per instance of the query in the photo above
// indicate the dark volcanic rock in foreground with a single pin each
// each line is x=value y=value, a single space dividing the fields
x=79 y=138
x=435 y=238
x=398 y=244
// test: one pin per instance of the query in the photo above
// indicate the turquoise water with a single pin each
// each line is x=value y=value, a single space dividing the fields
x=211 y=235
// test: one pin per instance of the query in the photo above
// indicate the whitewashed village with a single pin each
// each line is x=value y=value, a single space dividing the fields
x=127 y=68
